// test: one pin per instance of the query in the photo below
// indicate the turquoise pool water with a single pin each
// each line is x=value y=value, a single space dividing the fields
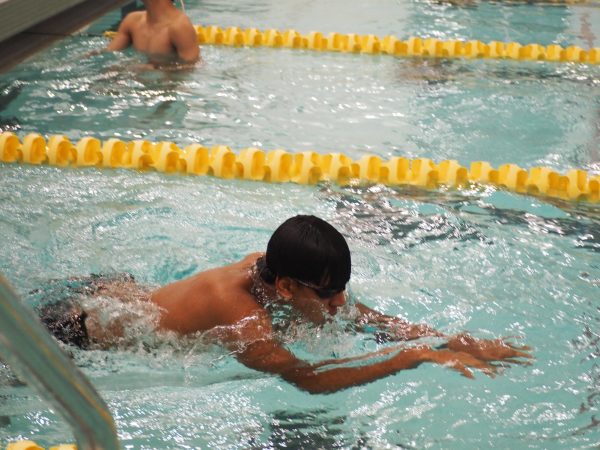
x=491 y=262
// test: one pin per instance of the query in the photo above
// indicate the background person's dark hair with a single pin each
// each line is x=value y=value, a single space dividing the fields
x=66 y=321
x=311 y=250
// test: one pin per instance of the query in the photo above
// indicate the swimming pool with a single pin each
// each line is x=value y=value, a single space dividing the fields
x=487 y=261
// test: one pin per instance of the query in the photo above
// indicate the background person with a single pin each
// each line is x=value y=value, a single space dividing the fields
x=162 y=31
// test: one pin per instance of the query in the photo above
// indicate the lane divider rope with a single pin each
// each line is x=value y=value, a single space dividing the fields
x=31 y=445
x=306 y=167
x=391 y=45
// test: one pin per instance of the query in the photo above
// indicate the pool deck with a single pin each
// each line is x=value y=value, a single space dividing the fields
x=27 y=26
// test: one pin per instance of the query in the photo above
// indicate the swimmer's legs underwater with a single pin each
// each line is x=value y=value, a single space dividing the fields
x=60 y=308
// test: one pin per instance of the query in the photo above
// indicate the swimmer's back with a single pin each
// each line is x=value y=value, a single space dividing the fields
x=212 y=298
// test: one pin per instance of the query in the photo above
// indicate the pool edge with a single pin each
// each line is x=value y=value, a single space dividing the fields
x=28 y=42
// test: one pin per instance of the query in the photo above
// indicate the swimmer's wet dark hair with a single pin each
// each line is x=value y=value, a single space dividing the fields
x=66 y=321
x=308 y=249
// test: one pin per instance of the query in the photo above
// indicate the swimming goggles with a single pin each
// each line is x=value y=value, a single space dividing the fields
x=323 y=293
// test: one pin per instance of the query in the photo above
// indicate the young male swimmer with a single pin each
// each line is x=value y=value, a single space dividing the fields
x=306 y=269
x=162 y=31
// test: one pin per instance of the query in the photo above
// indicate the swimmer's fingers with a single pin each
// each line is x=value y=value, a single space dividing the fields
x=520 y=354
x=523 y=351
x=459 y=361
x=519 y=362
x=488 y=369
x=453 y=360
x=500 y=366
x=500 y=350
x=491 y=372
x=525 y=348
x=507 y=340
x=460 y=368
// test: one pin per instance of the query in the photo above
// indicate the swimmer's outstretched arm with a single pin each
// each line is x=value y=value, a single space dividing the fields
x=389 y=328
x=267 y=355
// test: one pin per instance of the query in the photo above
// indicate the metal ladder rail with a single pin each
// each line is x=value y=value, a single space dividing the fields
x=27 y=346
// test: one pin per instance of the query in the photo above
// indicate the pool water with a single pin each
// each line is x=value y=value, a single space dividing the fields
x=483 y=260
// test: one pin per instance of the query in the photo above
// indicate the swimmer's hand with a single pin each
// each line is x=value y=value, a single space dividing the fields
x=459 y=361
x=490 y=349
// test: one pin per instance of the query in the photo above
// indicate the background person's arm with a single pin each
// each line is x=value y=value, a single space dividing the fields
x=185 y=40
x=122 y=39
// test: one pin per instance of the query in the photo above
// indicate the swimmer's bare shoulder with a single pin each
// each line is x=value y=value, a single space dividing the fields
x=182 y=21
x=233 y=287
x=216 y=297
x=242 y=321
x=251 y=258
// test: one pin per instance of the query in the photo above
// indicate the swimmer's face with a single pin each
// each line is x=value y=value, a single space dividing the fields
x=317 y=304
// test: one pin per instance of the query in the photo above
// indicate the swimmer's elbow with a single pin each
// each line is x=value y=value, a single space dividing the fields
x=307 y=385
x=306 y=379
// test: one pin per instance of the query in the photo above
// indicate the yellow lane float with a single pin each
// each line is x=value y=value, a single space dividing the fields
x=391 y=45
x=306 y=167
x=30 y=445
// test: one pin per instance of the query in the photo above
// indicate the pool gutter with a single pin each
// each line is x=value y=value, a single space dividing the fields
x=27 y=26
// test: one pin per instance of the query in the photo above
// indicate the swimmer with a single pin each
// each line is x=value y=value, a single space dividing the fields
x=305 y=269
x=162 y=31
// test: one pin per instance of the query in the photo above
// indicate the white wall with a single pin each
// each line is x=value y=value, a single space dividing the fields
x=18 y=15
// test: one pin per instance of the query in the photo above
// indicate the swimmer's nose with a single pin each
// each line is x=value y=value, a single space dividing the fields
x=338 y=299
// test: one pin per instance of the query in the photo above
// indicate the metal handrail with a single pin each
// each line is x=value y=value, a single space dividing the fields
x=27 y=346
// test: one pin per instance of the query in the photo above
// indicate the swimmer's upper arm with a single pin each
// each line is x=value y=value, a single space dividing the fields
x=185 y=40
x=267 y=355
x=257 y=349
x=122 y=39
x=249 y=335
